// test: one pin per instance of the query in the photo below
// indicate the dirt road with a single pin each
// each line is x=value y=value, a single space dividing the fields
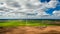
x=30 y=30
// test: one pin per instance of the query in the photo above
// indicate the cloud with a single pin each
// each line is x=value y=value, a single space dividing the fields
x=33 y=9
x=52 y=4
x=56 y=13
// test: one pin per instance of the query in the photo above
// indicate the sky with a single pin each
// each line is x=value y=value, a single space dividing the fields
x=29 y=9
x=50 y=10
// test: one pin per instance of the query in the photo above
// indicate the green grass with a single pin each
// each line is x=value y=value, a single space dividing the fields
x=26 y=23
x=13 y=23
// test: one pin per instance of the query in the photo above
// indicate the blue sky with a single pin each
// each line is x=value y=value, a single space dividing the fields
x=47 y=0
x=44 y=0
x=50 y=10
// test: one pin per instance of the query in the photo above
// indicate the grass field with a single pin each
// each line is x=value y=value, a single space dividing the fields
x=29 y=22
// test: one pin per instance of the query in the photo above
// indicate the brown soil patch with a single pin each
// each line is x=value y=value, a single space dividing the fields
x=30 y=30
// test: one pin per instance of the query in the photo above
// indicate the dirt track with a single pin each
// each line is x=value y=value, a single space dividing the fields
x=30 y=30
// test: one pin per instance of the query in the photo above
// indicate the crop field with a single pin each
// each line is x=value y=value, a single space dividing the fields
x=29 y=22
x=29 y=26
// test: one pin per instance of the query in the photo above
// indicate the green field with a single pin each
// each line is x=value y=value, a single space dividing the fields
x=29 y=22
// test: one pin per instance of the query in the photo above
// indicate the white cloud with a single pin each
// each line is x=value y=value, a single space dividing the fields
x=51 y=4
x=32 y=7
x=56 y=13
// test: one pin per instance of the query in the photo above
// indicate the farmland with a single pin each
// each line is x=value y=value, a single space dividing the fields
x=29 y=22
x=29 y=26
